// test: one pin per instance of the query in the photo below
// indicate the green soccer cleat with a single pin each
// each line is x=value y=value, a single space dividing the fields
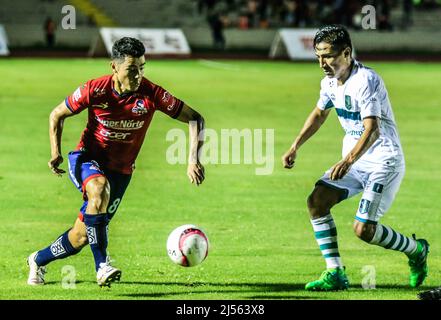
x=418 y=263
x=330 y=280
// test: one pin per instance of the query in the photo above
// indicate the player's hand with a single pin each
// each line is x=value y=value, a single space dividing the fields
x=340 y=169
x=54 y=163
x=288 y=159
x=196 y=173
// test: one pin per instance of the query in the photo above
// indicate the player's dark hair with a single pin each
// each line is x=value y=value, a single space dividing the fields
x=336 y=35
x=127 y=47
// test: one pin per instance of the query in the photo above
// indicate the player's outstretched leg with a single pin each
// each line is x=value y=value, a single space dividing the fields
x=417 y=251
x=37 y=261
x=36 y=273
x=434 y=294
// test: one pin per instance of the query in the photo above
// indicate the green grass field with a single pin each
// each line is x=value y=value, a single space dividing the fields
x=262 y=245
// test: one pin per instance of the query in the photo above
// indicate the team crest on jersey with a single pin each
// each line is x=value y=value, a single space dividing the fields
x=348 y=103
x=139 y=108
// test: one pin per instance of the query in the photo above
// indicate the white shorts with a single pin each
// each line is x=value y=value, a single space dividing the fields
x=379 y=189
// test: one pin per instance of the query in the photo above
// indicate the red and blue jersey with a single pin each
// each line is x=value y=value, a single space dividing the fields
x=117 y=123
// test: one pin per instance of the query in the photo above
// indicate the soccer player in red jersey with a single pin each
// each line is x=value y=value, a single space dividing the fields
x=120 y=107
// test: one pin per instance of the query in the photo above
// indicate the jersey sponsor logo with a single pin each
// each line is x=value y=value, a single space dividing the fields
x=121 y=124
x=114 y=135
x=77 y=95
x=101 y=105
x=57 y=248
x=357 y=133
x=167 y=98
x=139 y=108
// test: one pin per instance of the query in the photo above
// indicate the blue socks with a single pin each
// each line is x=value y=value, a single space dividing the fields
x=59 y=249
x=96 y=226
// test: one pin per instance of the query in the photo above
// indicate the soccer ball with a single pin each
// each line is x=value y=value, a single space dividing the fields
x=187 y=245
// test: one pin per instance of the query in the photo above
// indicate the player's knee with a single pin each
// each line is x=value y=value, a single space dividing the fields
x=364 y=231
x=98 y=192
x=78 y=239
x=316 y=206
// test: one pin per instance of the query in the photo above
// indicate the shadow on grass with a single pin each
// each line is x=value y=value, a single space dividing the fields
x=234 y=288
x=256 y=290
x=247 y=290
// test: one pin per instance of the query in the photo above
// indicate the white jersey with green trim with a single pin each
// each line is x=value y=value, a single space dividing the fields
x=364 y=95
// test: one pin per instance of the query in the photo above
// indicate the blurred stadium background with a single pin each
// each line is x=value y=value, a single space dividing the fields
x=249 y=26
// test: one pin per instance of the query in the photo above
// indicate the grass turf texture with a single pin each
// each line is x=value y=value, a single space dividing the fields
x=262 y=244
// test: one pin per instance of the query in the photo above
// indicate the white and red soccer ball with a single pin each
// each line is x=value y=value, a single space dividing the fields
x=187 y=245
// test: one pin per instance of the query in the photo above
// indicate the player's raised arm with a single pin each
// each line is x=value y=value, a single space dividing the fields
x=314 y=121
x=56 y=121
x=195 y=170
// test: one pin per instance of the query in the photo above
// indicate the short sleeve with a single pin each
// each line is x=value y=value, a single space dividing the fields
x=80 y=99
x=167 y=103
x=324 y=102
x=369 y=98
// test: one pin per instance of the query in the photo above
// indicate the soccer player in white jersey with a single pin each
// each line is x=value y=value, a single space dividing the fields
x=372 y=160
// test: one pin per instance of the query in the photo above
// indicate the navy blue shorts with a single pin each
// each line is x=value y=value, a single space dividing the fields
x=82 y=169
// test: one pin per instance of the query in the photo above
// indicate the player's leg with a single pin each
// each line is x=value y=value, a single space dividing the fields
x=104 y=197
x=95 y=218
x=72 y=240
x=325 y=195
x=67 y=244
x=377 y=198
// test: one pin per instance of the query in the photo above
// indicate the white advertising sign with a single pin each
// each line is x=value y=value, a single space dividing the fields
x=156 y=41
x=3 y=42
x=297 y=44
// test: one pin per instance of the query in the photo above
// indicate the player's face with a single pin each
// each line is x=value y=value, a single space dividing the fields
x=129 y=73
x=333 y=63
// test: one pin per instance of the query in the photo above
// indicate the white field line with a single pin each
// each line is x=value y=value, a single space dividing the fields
x=218 y=65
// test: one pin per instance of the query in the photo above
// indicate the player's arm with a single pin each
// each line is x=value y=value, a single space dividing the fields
x=370 y=134
x=56 y=122
x=195 y=170
x=311 y=126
